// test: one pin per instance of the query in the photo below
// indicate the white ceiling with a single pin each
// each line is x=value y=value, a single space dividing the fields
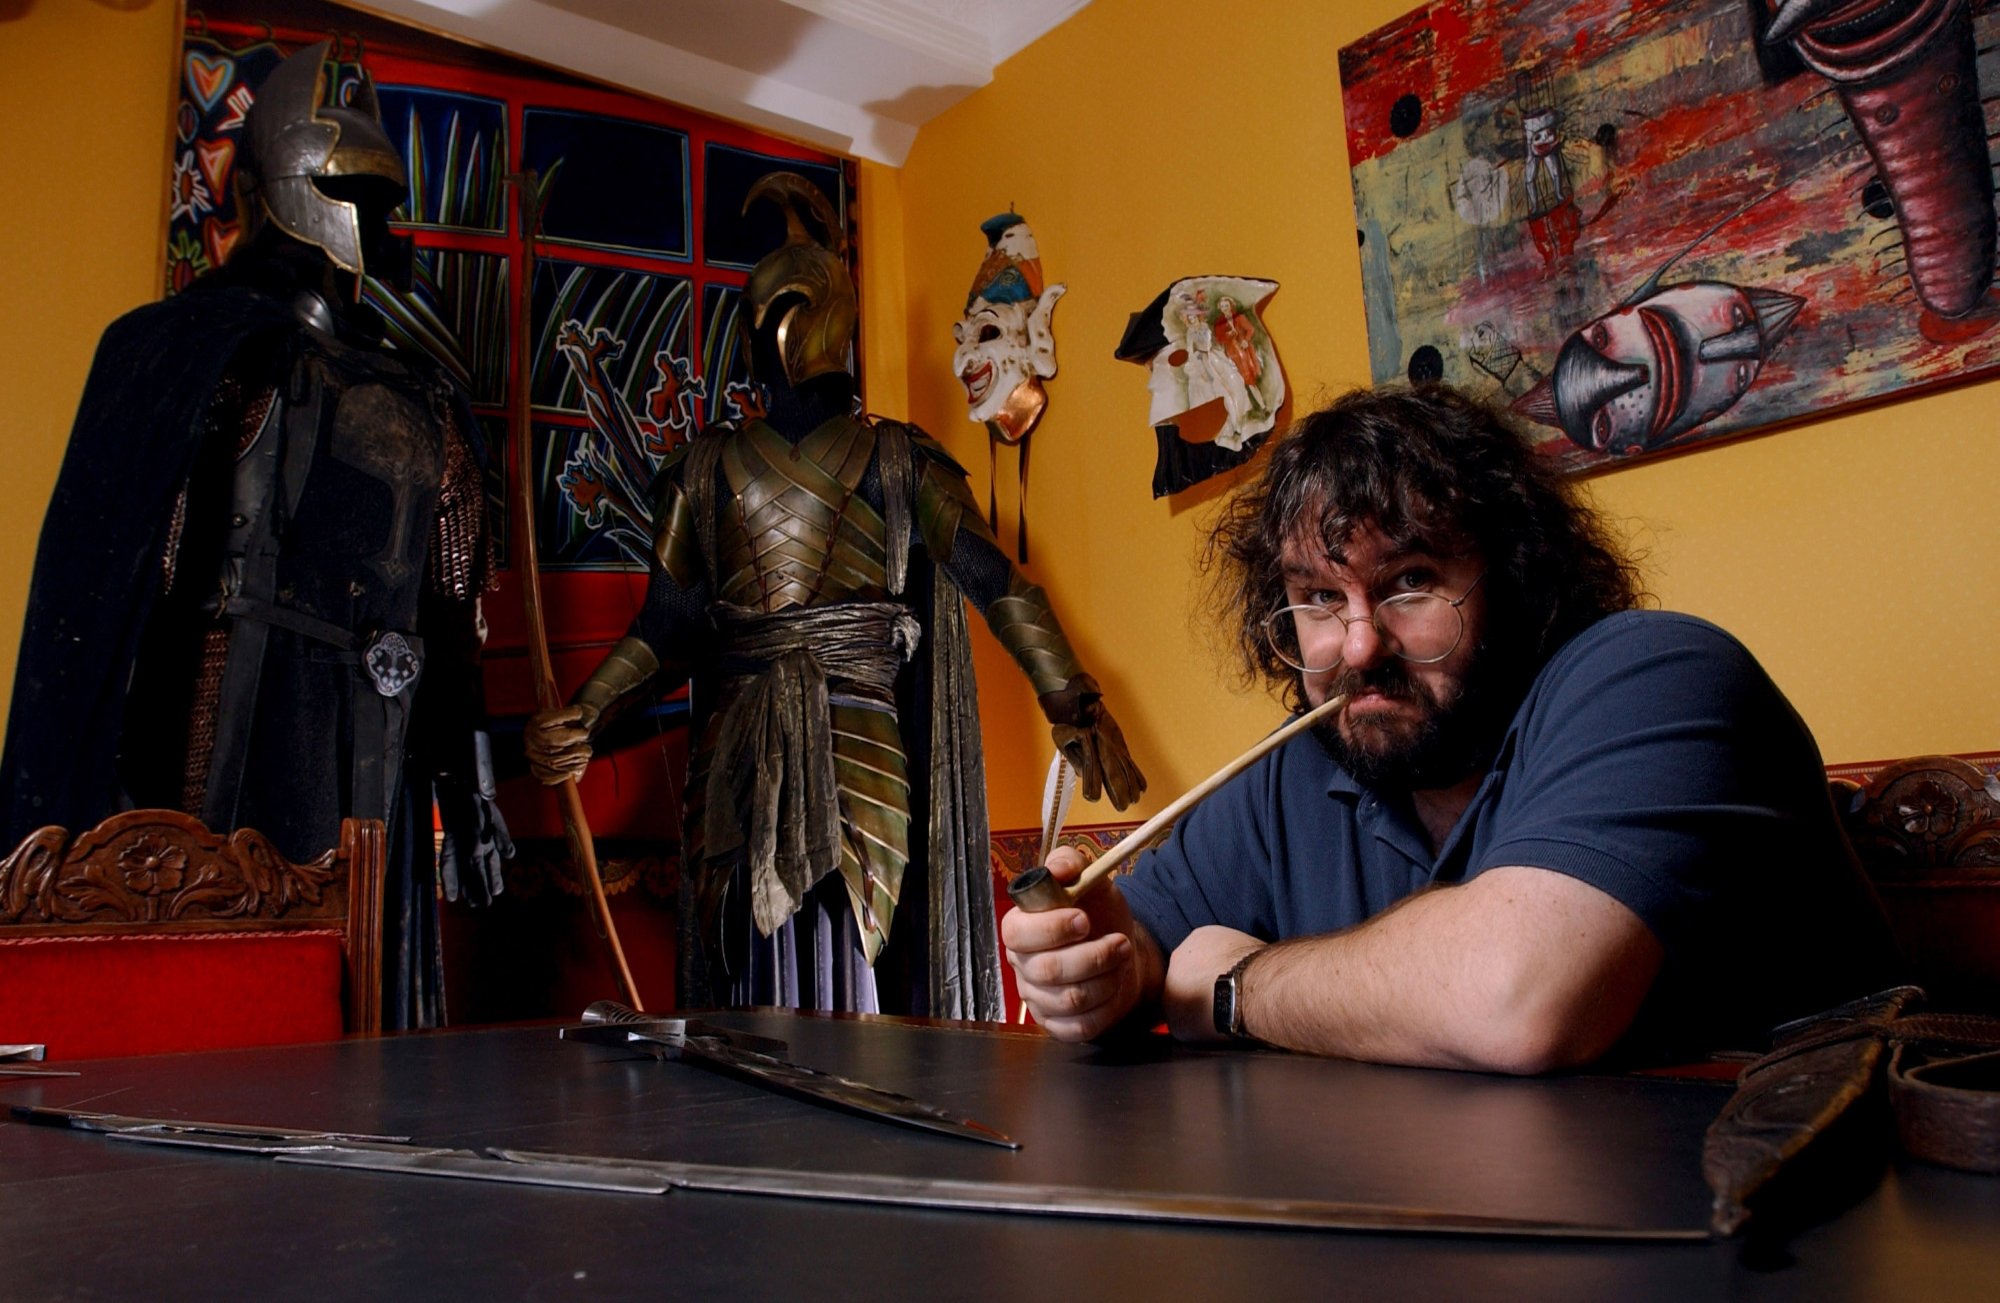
x=854 y=76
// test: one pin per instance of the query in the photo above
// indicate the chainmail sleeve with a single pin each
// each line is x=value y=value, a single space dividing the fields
x=673 y=619
x=241 y=403
x=462 y=561
x=948 y=521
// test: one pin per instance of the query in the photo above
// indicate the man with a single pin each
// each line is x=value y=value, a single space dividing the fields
x=255 y=598
x=794 y=556
x=1546 y=824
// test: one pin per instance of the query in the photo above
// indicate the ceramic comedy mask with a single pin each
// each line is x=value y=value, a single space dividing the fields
x=1005 y=345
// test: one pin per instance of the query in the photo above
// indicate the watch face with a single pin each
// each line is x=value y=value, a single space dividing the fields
x=1224 y=1012
x=1228 y=1008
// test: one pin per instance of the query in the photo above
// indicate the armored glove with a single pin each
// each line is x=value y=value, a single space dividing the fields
x=557 y=742
x=475 y=836
x=1086 y=733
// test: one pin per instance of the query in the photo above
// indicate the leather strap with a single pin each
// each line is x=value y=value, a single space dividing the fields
x=1807 y=1117
x=1944 y=1089
x=1943 y=1075
x=325 y=631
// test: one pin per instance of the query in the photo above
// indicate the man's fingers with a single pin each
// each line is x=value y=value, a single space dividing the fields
x=1074 y=964
x=1084 y=1009
x=1076 y=991
x=1075 y=1031
x=1066 y=863
x=1029 y=932
x=1070 y=1001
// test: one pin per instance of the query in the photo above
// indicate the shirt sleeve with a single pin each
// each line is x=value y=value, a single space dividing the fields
x=1216 y=866
x=1658 y=763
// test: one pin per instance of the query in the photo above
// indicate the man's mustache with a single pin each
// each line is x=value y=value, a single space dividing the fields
x=1391 y=678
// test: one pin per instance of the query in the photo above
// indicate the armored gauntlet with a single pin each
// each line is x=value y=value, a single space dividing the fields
x=1071 y=701
x=557 y=742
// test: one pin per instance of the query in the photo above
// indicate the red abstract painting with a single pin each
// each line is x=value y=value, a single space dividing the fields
x=1649 y=224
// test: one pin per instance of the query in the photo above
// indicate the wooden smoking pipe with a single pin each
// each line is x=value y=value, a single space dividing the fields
x=1037 y=890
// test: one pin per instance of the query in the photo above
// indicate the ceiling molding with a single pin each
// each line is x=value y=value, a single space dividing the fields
x=911 y=25
x=855 y=77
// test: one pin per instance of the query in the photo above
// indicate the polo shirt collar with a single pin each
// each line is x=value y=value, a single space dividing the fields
x=1395 y=826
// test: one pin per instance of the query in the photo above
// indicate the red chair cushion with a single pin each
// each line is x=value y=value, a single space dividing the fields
x=105 y=996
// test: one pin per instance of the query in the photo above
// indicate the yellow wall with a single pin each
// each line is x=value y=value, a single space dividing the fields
x=88 y=92
x=1151 y=139
x=1145 y=140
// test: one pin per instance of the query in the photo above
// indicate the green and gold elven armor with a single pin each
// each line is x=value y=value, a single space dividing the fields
x=784 y=566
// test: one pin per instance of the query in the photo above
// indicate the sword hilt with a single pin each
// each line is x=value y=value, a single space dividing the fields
x=613 y=1013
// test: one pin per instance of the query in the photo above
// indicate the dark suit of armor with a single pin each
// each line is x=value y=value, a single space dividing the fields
x=279 y=529
x=802 y=561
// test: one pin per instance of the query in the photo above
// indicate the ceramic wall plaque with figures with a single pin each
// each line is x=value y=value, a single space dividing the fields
x=1213 y=373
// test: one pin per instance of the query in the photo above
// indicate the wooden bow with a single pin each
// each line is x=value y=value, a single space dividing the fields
x=582 y=847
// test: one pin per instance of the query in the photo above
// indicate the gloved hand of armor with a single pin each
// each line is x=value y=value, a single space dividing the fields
x=557 y=742
x=1085 y=732
x=475 y=835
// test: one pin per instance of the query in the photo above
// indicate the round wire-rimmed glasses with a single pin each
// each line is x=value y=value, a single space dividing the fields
x=1422 y=628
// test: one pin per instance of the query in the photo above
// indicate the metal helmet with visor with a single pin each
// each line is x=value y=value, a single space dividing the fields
x=804 y=280
x=305 y=162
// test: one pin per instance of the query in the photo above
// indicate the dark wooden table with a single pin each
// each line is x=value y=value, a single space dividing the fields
x=84 y=1216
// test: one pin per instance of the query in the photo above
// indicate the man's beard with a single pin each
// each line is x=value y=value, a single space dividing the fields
x=1454 y=737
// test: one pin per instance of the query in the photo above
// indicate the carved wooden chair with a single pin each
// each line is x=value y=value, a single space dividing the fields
x=150 y=934
x=1928 y=832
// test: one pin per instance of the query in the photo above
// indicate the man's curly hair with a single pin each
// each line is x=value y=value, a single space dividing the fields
x=1427 y=467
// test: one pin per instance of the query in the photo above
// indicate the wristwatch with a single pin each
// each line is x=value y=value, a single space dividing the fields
x=1228 y=1008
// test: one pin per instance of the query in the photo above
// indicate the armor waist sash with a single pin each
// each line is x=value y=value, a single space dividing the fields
x=771 y=778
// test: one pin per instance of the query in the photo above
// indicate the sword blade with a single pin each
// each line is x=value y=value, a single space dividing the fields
x=1118 y=1205
x=831 y=1091
x=122 y=1124
x=740 y=1055
x=466 y=1165
x=646 y=1176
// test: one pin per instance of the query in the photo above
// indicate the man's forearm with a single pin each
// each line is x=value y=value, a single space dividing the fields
x=1519 y=970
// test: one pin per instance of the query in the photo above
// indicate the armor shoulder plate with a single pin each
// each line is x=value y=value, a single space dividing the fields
x=676 y=544
x=945 y=503
x=928 y=446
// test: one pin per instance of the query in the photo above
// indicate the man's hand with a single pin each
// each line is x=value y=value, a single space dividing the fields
x=1189 y=997
x=557 y=743
x=1081 y=970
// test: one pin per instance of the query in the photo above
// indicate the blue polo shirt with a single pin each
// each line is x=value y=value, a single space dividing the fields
x=1653 y=759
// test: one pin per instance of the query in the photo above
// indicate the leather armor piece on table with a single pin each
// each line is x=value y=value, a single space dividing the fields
x=1809 y=1123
